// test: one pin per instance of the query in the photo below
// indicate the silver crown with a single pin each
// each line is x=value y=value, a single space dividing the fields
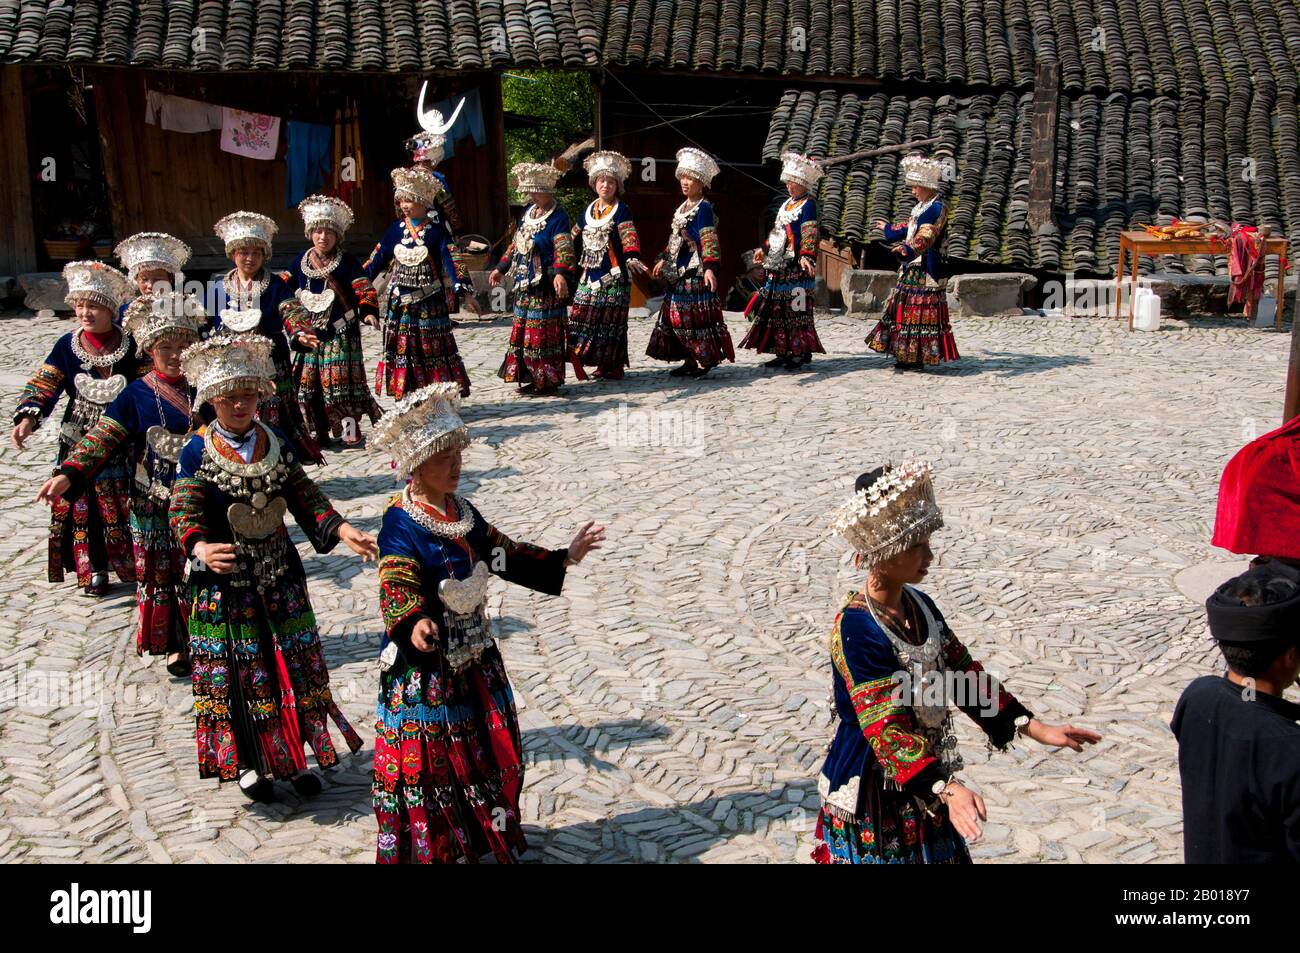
x=422 y=424
x=918 y=170
x=149 y=250
x=164 y=314
x=416 y=185
x=244 y=229
x=613 y=164
x=799 y=168
x=535 y=177
x=892 y=515
x=229 y=362
x=97 y=282
x=696 y=164
x=325 y=211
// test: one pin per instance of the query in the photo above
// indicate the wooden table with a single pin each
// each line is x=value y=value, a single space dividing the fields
x=1137 y=243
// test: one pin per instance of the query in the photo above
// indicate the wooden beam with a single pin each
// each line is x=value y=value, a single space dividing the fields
x=1042 y=169
x=18 y=222
x=494 y=119
x=110 y=155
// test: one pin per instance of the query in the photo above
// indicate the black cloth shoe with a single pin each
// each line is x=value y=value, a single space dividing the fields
x=257 y=788
x=683 y=370
x=306 y=784
x=98 y=584
x=180 y=668
x=781 y=360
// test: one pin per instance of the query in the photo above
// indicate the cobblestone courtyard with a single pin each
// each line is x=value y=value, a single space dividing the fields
x=674 y=698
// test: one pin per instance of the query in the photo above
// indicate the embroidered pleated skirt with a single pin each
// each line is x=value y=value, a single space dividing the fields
x=94 y=532
x=781 y=315
x=893 y=829
x=915 y=327
x=160 y=571
x=419 y=347
x=537 y=349
x=691 y=325
x=598 y=326
x=448 y=764
x=331 y=383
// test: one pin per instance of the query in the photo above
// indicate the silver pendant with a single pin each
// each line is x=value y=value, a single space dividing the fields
x=166 y=444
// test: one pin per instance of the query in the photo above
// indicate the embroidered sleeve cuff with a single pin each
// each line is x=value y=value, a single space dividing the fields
x=1001 y=728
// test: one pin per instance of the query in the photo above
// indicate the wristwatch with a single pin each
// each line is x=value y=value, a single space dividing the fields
x=938 y=787
x=1022 y=723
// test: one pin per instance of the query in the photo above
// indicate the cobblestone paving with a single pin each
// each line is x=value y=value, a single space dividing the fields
x=674 y=698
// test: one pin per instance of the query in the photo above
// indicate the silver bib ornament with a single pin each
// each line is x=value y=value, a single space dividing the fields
x=253 y=522
x=165 y=444
x=316 y=302
x=241 y=320
x=410 y=256
x=99 y=390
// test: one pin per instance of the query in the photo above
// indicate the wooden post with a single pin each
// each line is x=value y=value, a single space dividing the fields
x=17 y=216
x=496 y=130
x=1042 y=169
x=1291 y=407
x=597 y=130
x=110 y=152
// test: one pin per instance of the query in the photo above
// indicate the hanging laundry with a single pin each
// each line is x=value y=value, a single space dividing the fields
x=1246 y=267
x=178 y=114
x=251 y=135
x=468 y=123
x=308 y=158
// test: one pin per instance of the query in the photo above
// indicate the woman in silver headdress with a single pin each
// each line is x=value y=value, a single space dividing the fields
x=150 y=419
x=448 y=756
x=92 y=366
x=889 y=789
x=261 y=688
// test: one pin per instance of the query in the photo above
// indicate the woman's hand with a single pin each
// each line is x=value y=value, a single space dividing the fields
x=758 y=256
x=308 y=340
x=218 y=557
x=424 y=636
x=637 y=265
x=589 y=537
x=53 y=490
x=965 y=810
x=658 y=268
x=880 y=224
x=808 y=266
x=372 y=320
x=710 y=280
x=494 y=277
x=561 y=287
x=469 y=304
x=363 y=544
x=22 y=431
x=1061 y=736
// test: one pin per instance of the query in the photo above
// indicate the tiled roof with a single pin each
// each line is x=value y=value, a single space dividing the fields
x=1122 y=161
x=1207 y=48
x=371 y=35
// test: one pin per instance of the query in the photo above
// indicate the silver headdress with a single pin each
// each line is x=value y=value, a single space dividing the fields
x=164 y=314
x=325 y=211
x=612 y=164
x=97 y=282
x=893 y=514
x=429 y=141
x=799 y=168
x=535 y=177
x=918 y=170
x=149 y=250
x=696 y=164
x=242 y=229
x=422 y=424
x=229 y=362
x=416 y=185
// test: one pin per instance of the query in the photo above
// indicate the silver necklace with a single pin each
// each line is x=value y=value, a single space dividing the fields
x=253 y=295
x=451 y=530
x=89 y=360
x=323 y=272
x=238 y=467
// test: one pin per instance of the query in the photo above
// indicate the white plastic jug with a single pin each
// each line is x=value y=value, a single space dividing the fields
x=1146 y=311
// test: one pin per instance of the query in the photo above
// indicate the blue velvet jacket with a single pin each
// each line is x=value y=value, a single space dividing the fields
x=926 y=242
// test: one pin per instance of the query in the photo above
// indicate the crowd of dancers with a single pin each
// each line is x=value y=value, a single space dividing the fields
x=184 y=437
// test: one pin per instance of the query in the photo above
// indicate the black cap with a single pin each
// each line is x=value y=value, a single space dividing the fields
x=1275 y=621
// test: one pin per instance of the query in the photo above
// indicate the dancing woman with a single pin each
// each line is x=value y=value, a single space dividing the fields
x=915 y=327
x=782 y=310
x=889 y=789
x=691 y=328
x=153 y=260
x=261 y=688
x=331 y=296
x=92 y=365
x=540 y=263
x=608 y=250
x=149 y=420
x=254 y=295
x=448 y=755
x=425 y=284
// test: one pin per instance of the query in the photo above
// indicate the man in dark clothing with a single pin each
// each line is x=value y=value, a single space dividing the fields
x=1238 y=741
